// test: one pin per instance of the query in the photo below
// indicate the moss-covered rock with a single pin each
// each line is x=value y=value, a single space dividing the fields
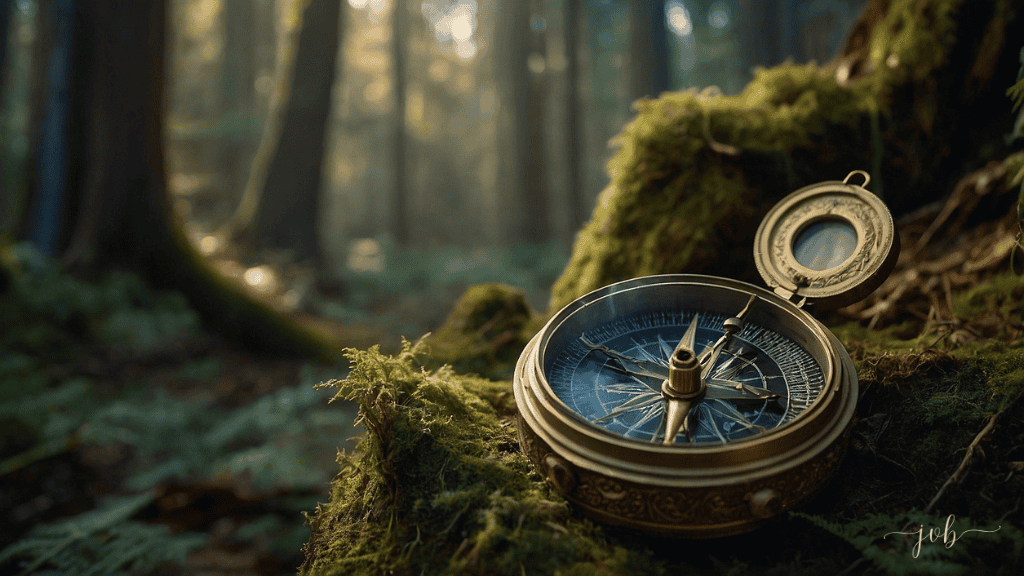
x=917 y=99
x=486 y=330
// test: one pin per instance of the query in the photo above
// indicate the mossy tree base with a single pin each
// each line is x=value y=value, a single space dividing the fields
x=917 y=99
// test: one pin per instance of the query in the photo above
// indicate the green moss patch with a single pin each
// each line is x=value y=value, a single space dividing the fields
x=485 y=331
x=438 y=485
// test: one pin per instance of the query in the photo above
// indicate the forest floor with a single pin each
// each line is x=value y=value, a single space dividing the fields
x=134 y=441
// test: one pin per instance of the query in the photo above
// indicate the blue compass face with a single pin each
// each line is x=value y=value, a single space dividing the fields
x=612 y=376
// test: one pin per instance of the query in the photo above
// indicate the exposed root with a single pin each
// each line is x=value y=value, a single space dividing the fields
x=943 y=256
x=974 y=447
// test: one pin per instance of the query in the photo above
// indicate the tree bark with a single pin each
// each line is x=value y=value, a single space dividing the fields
x=578 y=206
x=648 y=49
x=288 y=216
x=522 y=193
x=398 y=199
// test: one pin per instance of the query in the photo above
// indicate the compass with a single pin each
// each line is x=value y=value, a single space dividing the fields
x=697 y=406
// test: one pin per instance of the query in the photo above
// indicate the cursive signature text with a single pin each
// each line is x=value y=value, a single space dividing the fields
x=947 y=534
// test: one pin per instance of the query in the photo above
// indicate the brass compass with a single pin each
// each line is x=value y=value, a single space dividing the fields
x=698 y=406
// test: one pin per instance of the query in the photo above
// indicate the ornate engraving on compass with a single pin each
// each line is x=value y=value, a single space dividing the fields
x=834 y=210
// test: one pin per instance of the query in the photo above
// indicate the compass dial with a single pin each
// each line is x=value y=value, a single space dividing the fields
x=612 y=376
x=684 y=404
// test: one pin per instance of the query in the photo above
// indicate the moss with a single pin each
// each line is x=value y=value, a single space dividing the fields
x=438 y=485
x=1003 y=293
x=680 y=191
x=485 y=331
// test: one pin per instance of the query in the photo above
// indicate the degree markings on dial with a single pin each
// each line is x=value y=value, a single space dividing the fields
x=803 y=387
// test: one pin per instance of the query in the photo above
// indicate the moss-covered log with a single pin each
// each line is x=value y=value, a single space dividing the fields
x=918 y=99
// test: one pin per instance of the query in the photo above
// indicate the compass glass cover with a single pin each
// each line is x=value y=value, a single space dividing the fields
x=612 y=374
x=825 y=244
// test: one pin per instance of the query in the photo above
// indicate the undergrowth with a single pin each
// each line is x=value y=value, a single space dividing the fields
x=58 y=403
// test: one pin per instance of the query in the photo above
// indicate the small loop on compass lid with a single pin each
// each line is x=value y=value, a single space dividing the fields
x=867 y=178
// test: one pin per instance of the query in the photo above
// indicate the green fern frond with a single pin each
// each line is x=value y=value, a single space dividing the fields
x=99 y=542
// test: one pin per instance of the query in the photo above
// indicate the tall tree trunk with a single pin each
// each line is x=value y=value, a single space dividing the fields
x=397 y=206
x=288 y=215
x=648 y=49
x=762 y=28
x=123 y=216
x=63 y=98
x=6 y=16
x=238 y=106
x=522 y=192
x=578 y=206
x=124 y=207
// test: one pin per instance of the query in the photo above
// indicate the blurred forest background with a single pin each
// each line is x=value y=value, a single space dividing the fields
x=384 y=148
x=359 y=161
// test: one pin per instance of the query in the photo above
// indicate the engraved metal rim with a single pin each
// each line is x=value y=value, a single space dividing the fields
x=593 y=448
x=864 y=270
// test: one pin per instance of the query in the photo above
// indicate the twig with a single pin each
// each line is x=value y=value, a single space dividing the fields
x=962 y=468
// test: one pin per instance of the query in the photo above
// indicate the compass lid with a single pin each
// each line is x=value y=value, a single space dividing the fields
x=830 y=243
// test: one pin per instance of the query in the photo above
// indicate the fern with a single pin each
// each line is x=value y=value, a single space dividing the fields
x=285 y=439
x=100 y=542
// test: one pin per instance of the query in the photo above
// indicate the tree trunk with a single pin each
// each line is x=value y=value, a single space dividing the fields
x=288 y=216
x=523 y=197
x=648 y=49
x=398 y=199
x=61 y=98
x=6 y=16
x=578 y=206
x=238 y=106
x=124 y=218
x=762 y=31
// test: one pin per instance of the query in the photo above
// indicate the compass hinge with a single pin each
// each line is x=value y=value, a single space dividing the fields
x=792 y=296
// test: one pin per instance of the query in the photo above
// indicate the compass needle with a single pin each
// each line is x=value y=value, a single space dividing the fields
x=676 y=419
x=690 y=336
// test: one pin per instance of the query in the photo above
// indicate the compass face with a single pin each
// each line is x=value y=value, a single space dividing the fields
x=612 y=376
x=684 y=404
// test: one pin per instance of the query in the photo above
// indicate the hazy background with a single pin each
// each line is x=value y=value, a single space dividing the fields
x=409 y=148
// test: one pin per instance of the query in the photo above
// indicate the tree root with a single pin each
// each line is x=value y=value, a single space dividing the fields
x=961 y=470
